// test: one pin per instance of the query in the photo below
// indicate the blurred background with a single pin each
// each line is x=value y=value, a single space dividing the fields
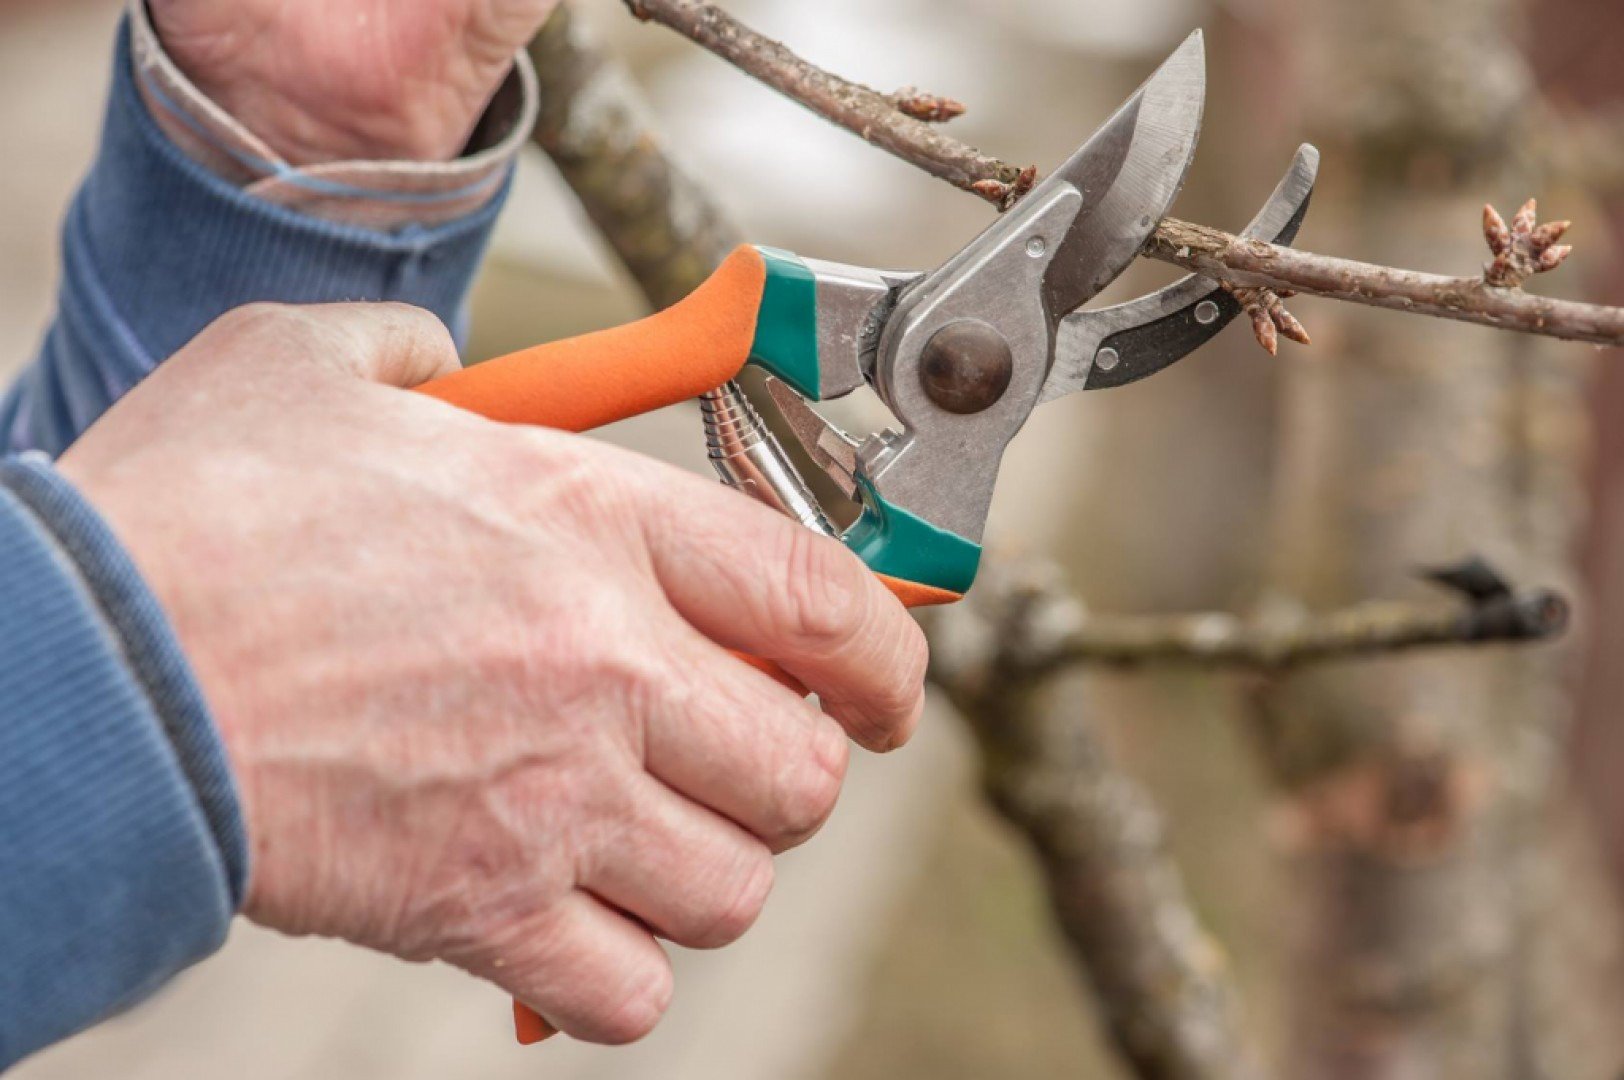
x=914 y=939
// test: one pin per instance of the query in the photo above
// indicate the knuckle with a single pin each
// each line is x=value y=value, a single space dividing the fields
x=827 y=593
x=251 y=321
x=739 y=902
x=566 y=481
x=808 y=790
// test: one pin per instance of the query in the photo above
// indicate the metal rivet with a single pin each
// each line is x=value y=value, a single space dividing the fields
x=1037 y=247
x=1206 y=313
x=1107 y=359
x=966 y=367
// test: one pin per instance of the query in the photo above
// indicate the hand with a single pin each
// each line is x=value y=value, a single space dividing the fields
x=334 y=80
x=473 y=680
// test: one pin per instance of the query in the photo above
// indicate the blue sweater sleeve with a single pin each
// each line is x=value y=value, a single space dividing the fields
x=155 y=247
x=122 y=849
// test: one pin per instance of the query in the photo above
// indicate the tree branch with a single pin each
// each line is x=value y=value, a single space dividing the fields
x=1162 y=983
x=1245 y=263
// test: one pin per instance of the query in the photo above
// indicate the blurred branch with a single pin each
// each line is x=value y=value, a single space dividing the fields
x=667 y=230
x=1217 y=639
x=1211 y=252
x=1163 y=984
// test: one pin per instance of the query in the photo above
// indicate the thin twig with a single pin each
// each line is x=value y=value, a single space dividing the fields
x=858 y=109
x=1218 y=254
x=1211 y=252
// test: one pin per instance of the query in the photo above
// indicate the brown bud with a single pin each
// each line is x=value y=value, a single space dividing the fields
x=1290 y=327
x=1523 y=223
x=994 y=191
x=1549 y=233
x=1495 y=231
x=1263 y=326
x=1552 y=257
x=928 y=108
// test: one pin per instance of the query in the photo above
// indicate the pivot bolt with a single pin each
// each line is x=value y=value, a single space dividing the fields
x=966 y=367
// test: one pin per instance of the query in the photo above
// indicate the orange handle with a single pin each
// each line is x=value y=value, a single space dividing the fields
x=586 y=382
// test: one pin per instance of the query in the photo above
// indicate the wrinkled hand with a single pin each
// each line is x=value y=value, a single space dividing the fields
x=474 y=679
x=333 y=80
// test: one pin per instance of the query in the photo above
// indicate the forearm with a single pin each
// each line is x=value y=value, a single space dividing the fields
x=122 y=851
x=186 y=215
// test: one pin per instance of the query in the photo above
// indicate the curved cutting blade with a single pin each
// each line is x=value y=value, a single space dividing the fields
x=1145 y=336
x=1129 y=173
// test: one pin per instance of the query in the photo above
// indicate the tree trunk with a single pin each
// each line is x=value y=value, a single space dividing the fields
x=1415 y=790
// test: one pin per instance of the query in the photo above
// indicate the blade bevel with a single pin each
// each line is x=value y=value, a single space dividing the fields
x=1129 y=172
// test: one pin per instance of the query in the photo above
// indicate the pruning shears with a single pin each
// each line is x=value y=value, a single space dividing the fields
x=961 y=356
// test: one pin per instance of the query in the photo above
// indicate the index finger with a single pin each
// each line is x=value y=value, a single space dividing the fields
x=755 y=581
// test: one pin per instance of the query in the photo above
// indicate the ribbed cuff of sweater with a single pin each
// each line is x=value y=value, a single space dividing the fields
x=123 y=854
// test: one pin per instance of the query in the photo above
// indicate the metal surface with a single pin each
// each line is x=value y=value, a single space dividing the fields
x=854 y=303
x=1069 y=238
x=943 y=466
x=967 y=366
x=831 y=449
x=1143 y=336
x=1129 y=173
x=747 y=457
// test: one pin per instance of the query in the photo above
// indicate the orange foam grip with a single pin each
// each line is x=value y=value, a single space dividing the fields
x=586 y=382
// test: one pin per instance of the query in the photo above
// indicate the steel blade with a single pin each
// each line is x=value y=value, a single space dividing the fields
x=1129 y=172
x=1146 y=335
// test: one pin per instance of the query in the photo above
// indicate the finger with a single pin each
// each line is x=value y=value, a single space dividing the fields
x=745 y=747
x=590 y=972
x=758 y=582
x=694 y=877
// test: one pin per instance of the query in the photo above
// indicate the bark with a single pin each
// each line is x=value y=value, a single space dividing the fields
x=1162 y=983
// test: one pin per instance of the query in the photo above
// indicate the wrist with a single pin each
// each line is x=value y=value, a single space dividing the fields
x=307 y=133
x=321 y=98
